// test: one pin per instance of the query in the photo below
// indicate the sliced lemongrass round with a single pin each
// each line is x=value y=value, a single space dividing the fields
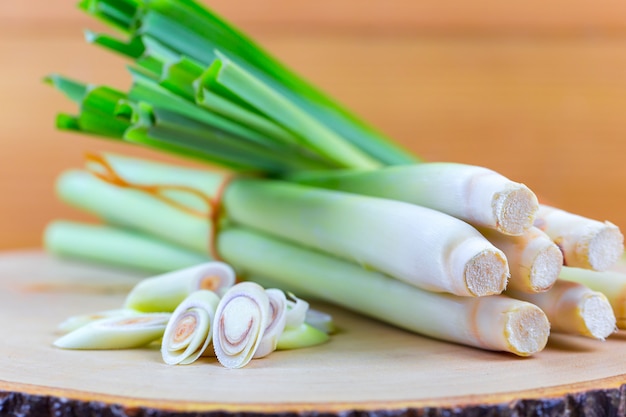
x=116 y=332
x=301 y=336
x=242 y=316
x=189 y=330
x=276 y=325
x=297 y=310
x=163 y=293
x=534 y=259
x=320 y=320
x=585 y=243
x=574 y=308
x=79 y=320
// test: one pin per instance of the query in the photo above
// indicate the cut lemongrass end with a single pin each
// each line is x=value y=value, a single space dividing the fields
x=276 y=325
x=320 y=320
x=163 y=293
x=514 y=209
x=610 y=283
x=534 y=260
x=116 y=332
x=189 y=331
x=241 y=318
x=526 y=329
x=74 y=322
x=585 y=243
x=297 y=311
x=300 y=337
x=488 y=263
x=573 y=308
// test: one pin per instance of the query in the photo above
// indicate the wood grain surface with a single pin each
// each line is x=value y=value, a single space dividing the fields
x=367 y=367
x=534 y=90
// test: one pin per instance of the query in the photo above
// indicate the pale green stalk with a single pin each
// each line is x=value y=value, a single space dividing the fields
x=586 y=243
x=573 y=308
x=610 y=283
x=477 y=195
x=190 y=328
x=163 y=293
x=116 y=332
x=534 y=259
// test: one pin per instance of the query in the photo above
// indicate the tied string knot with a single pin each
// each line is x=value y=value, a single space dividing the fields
x=160 y=192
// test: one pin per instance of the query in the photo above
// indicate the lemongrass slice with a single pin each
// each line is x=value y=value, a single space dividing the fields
x=276 y=325
x=495 y=323
x=585 y=243
x=242 y=316
x=610 y=283
x=320 y=320
x=423 y=247
x=477 y=195
x=300 y=337
x=190 y=328
x=534 y=259
x=163 y=293
x=297 y=310
x=116 y=332
x=74 y=322
x=574 y=308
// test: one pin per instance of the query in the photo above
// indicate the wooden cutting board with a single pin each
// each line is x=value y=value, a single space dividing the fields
x=367 y=366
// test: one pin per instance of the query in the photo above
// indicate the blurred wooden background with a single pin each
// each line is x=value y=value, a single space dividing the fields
x=535 y=90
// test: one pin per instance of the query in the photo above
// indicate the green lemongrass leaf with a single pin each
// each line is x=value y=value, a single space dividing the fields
x=276 y=324
x=68 y=122
x=116 y=332
x=74 y=322
x=134 y=48
x=74 y=90
x=277 y=107
x=241 y=318
x=121 y=14
x=179 y=77
x=162 y=293
x=120 y=248
x=300 y=337
x=190 y=328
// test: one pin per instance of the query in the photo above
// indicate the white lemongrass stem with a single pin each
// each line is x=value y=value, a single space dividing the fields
x=534 y=259
x=276 y=325
x=163 y=293
x=297 y=310
x=190 y=329
x=116 y=332
x=585 y=243
x=423 y=247
x=495 y=323
x=574 y=308
x=242 y=316
x=419 y=245
x=610 y=283
x=477 y=195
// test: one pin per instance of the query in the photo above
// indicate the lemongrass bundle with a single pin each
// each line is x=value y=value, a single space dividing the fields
x=573 y=308
x=421 y=246
x=586 y=243
x=534 y=259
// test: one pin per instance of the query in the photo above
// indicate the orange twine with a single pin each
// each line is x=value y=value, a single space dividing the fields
x=214 y=204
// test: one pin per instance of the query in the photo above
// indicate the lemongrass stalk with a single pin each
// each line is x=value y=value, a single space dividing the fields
x=111 y=246
x=415 y=244
x=495 y=323
x=163 y=293
x=300 y=337
x=586 y=243
x=242 y=316
x=190 y=328
x=534 y=259
x=610 y=283
x=419 y=245
x=276 y=325
x=477 y=195
x=74 y=322
x=116 y=332
x=573 y=308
